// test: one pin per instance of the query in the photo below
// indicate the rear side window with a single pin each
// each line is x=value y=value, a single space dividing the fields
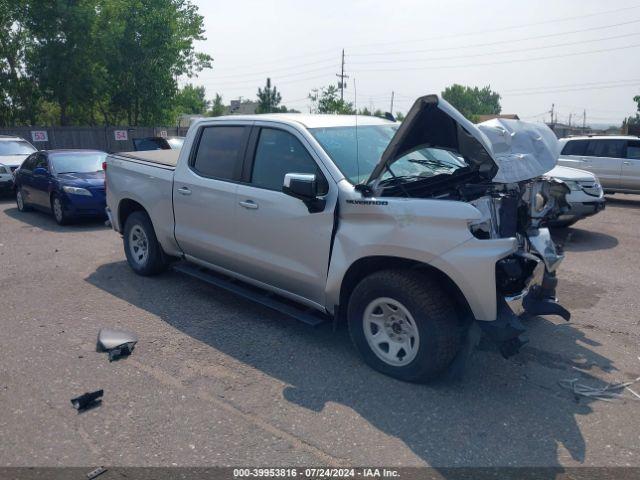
x=605 y=148
x=633 y=150
x=278 y=153
x=220 y=152
x=575 y=147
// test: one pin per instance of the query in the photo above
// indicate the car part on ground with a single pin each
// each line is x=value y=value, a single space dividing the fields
x=87 y=400
x=118 y=343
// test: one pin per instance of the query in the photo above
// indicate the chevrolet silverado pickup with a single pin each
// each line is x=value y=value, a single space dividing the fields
x=420 y=235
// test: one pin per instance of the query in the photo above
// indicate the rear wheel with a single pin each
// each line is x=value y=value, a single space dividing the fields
x=141 y=246
x=404 y=325
x=62 y=218
x=22 y=206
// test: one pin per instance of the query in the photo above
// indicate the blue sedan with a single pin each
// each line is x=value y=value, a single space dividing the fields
x=68 y=183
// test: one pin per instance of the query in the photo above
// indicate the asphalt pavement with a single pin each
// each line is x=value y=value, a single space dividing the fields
x=217 y=380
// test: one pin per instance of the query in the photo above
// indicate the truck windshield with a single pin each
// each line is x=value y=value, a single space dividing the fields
x=15 y=147
x=85 y=162
x=357 y=163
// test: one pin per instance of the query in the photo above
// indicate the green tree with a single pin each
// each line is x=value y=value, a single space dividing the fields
x=19 y=94
x=327 y=100
x=191 y=100
x=473 y=101
x=399 y=116
x=144 y=46
x=217 y=107
x=268 y=99
x=632 y=124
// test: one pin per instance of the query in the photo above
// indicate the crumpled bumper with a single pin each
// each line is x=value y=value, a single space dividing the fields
x=536 y=297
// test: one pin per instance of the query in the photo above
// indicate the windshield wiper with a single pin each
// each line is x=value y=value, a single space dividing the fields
x=432 y=163
x=399 y=179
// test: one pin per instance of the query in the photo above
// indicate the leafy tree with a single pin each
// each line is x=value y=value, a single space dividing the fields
x=217 y=107
x=631 y=125
x=269 y=98
x=145 y=45
x=473 y=101
x=19 y=93
x=399 y=116
x=327 y=100
x=365 y=112
x=191 y=100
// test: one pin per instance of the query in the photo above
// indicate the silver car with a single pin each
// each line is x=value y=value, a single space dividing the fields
x=615 y=160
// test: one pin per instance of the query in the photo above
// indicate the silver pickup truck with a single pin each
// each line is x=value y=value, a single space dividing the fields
x=420 y=235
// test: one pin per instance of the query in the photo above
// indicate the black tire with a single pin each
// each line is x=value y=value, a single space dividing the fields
x=61 y=217
x=154 y=260
x=435 y=317
x=22 y=205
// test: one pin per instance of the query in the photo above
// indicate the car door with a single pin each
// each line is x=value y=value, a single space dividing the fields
x=204 y=194
x=630 y=174
x=40 y=180
x=280 y=242
x=603 y=157
x=573 y=154
x=25 y=178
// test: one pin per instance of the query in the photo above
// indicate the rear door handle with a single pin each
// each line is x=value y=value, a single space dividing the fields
x=626 y=162
x=250 y=204
x=184 y=191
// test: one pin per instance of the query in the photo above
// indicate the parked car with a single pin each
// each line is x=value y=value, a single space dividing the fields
x=6 y=179
x=585 y=199
x=13 y=151
x=413 y=233
x=68 y=183
x=615 y=160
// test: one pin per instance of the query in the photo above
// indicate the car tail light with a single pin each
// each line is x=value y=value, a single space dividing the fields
x=104 y=167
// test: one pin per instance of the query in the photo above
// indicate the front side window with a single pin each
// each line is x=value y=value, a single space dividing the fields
x=278 y=153
x=77 y=162
x=605 y=148
x=633 y=150
x=575 y=147
x=220 y=152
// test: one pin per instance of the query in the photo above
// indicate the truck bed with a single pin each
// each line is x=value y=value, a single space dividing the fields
x=163 y=158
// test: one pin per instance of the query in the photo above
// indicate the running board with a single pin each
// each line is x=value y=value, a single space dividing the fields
x=309 y=316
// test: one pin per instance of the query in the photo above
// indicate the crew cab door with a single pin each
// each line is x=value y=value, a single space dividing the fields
x=280 y=242
x=630 y=174
x=204 y=194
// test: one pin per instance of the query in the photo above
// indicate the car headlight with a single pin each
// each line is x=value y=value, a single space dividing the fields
x=573 y=186
x=76 y=190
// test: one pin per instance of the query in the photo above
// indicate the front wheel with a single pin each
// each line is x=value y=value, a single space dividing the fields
x=22 y=206
x=141 y=246
x=404 y=325
x=62 y=218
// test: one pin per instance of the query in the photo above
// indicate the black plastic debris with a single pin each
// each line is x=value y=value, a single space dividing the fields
x=94 y=473
x=87 y=400
x=118 y=343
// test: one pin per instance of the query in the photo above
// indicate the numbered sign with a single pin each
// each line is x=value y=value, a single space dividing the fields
x=39 y=136
x=120 y=135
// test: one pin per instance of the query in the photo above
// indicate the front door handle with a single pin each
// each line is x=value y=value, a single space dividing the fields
x=250 y=204
x=184 y=191
x=626 y=162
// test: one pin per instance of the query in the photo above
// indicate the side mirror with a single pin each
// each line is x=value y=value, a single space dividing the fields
x=40 y=171
x=303 y=186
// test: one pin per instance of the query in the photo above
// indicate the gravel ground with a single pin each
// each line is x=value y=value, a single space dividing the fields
x=217 y=380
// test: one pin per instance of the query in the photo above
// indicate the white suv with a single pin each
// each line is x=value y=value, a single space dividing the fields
x=615 y=160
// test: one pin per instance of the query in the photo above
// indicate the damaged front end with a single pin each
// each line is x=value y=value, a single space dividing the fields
x=501 y=172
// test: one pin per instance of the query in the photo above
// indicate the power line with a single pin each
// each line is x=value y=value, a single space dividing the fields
x=327 y=61
x=504 y=52
x=609 y=82
x=501 y=42
x=512 y=27
x=520 y=60
x=633 y=84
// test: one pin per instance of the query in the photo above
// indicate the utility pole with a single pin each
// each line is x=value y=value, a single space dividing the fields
x=584 y=119
x=342 y=76
x=570 y=115
x=553 y=105
x=391 y=109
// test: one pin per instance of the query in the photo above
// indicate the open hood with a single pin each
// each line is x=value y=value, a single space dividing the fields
x=433 y=122
x=504 y=151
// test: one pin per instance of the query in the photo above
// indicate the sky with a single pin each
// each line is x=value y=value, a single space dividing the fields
x=576 y=54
